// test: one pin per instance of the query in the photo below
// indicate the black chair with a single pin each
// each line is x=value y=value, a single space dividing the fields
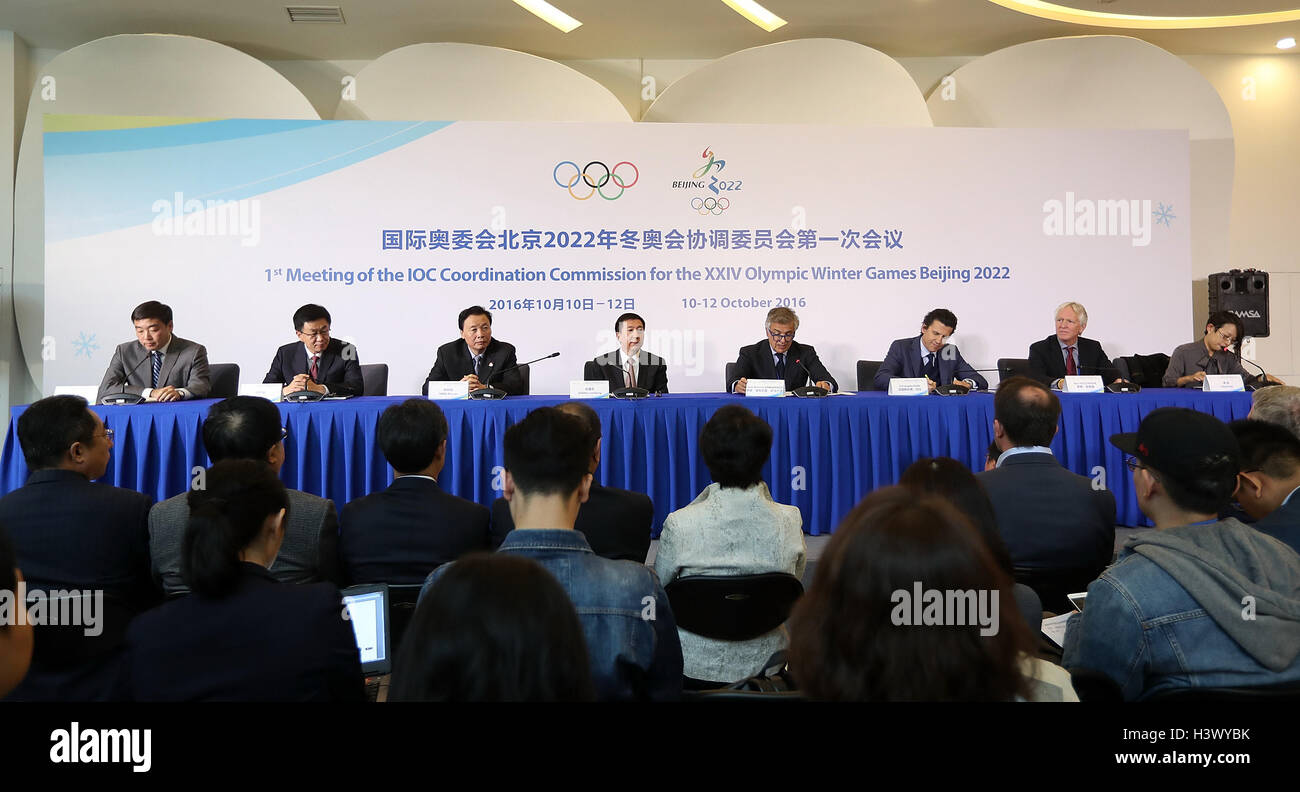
x=1093 y=686
x=402 y=598
x=1052 y=585
x=224 y=378
x=374 y=379
x=1121 y=365
x=1013 y=367
x=867 y=374
x=733 y=607
x=525 y=375
x=728 y=377
x=66 y=646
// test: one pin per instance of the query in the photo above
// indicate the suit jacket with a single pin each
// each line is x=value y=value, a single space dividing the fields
x=339 y=372
x=616 y=522
x=652 y=372
x=71 y=533
x=1049 y=517
x=1047 y=362
x=1191 y=357
x=264 y=641
x=184 y=366
x=455 y=362
x=402 y=533
x=755 y=362
x=904 y=360
x=308 y=554
x=1283 y=523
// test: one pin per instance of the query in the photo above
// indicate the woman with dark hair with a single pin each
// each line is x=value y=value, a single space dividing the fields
x=868 y=629
x=241 y=635
x=732 y=528
x=1215 y=353
x=494 y=627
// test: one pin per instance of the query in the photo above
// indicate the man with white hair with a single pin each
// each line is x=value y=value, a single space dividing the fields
x=1066 y=353
x=1279 y=405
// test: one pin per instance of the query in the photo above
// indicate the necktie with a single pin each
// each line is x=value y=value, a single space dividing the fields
x=1070 y=370
x=156 y=365
x=315 y=371
x=630 y=375
x=478 y=365
x=931 y=370
x=780 y=365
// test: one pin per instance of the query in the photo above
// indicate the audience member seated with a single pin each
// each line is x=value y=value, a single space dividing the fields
x=494 y=628
x=1269 y=479
x=732 y=528
x=630 y=631
x=248 y=427
x=242 y=635
x=1198 y=602
x=616 y=522
x=953 y=481
x=15 y=638
x=992 y=456
x=868 y=628
x=1278 y=405
x=1049 y=517
x=402 y=533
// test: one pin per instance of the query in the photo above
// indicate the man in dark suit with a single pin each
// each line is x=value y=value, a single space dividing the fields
x=616 y=522
x=1049 y=517
x=401 y=534
x=629 y=365
x=176 y=369
x=476 y=357
x=1066 y=354
x=316 y=362
x=248 y=427
x=779 y=356
x=1270 y=478
x=929 y=355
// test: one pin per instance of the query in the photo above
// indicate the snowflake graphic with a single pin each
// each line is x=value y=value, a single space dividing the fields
x=1163 y=214
x=84 y=345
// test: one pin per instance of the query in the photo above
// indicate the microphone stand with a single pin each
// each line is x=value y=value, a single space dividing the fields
x=489 y=392
x=123 y=397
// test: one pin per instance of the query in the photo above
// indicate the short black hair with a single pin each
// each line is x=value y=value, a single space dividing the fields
x=410 y=433
x=473 y=310
x=1220 y=318
x=1206 y=492
x=735 y=444
x=49 y=427
x=618 y=323
x=943 y=315
x=994 y=452
x=1267 y=447
x=241 y=427
x=152 y=310
x=1027 y=410
x=583 y=411
x=548 y=452
x=226 y=516
x=309 y=313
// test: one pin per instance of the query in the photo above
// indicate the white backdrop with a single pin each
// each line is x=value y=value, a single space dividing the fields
x=318 y=198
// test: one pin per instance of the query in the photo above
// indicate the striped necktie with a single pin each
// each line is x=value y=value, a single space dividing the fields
x=156 y=365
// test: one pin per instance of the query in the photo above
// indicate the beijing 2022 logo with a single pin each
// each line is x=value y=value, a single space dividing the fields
x=596 y=178
x=721 y=189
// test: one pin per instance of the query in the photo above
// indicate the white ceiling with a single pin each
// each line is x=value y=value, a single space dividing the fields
x=617 y=28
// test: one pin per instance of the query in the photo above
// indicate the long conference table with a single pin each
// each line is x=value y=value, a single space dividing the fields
x=826 y=453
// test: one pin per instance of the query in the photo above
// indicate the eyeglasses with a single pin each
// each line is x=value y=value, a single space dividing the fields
x=284 y=433
x=108 y=433
x=781 y=336
x=316 y=333
x=1133 y=463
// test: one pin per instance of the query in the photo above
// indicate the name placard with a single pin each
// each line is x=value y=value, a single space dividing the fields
x=270 y=391
x=1090 y=383
x=88 y=392
x=588 y=389
x=908 y=386
x=442 y=390
x=1224 y=383
x=765 y=387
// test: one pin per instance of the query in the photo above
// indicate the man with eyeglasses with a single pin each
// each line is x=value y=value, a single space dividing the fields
x=316 y=362
x=158 y=366
x=779 y=356
x=930 y=355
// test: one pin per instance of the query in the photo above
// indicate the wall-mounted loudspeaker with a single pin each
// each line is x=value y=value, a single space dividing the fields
x=1245 y=293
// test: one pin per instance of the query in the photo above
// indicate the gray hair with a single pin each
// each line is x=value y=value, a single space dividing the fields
x=1279 y=405
x=781 y=315
x=1078 y=309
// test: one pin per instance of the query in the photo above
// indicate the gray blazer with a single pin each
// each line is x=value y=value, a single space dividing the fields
x=309 y=553
x=184 y=366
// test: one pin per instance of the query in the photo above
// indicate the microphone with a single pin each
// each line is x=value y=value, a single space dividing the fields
x=1262 y=381
x=953 y=389
x=1123 y=386
x=808 y=391
x=489 y=392
x=122 y=397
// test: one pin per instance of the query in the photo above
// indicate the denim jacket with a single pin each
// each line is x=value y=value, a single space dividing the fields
x=631 y=633
x=1202 y=605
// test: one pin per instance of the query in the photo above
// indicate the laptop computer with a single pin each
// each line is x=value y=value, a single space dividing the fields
x=367 y=607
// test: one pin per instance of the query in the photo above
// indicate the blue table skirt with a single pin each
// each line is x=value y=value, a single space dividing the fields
x=827 y=453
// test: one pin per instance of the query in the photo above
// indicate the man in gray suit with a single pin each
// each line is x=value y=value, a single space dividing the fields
x=158 y=366
x=248 y=427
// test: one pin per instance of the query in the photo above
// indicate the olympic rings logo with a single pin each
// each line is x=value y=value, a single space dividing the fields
x=595 y=176
x=710 y=205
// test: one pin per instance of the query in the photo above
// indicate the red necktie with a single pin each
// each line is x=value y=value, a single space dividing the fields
x=314 y=371
x=1070 y=370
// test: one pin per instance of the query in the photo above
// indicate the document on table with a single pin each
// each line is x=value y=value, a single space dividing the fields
x=1054 y=628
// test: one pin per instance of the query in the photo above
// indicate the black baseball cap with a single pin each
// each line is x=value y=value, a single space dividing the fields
x=1181 y=443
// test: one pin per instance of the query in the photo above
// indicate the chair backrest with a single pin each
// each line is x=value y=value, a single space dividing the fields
x=402 y=598
x=867 y=374
x=524 y=375
x=1013 y=367
x=729 y=375
x=374 y=379
x=733 y=608
x=1147 y=370
x=65 y=645
x=224 y=379
x=1052 y=585
x=1121 y=366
